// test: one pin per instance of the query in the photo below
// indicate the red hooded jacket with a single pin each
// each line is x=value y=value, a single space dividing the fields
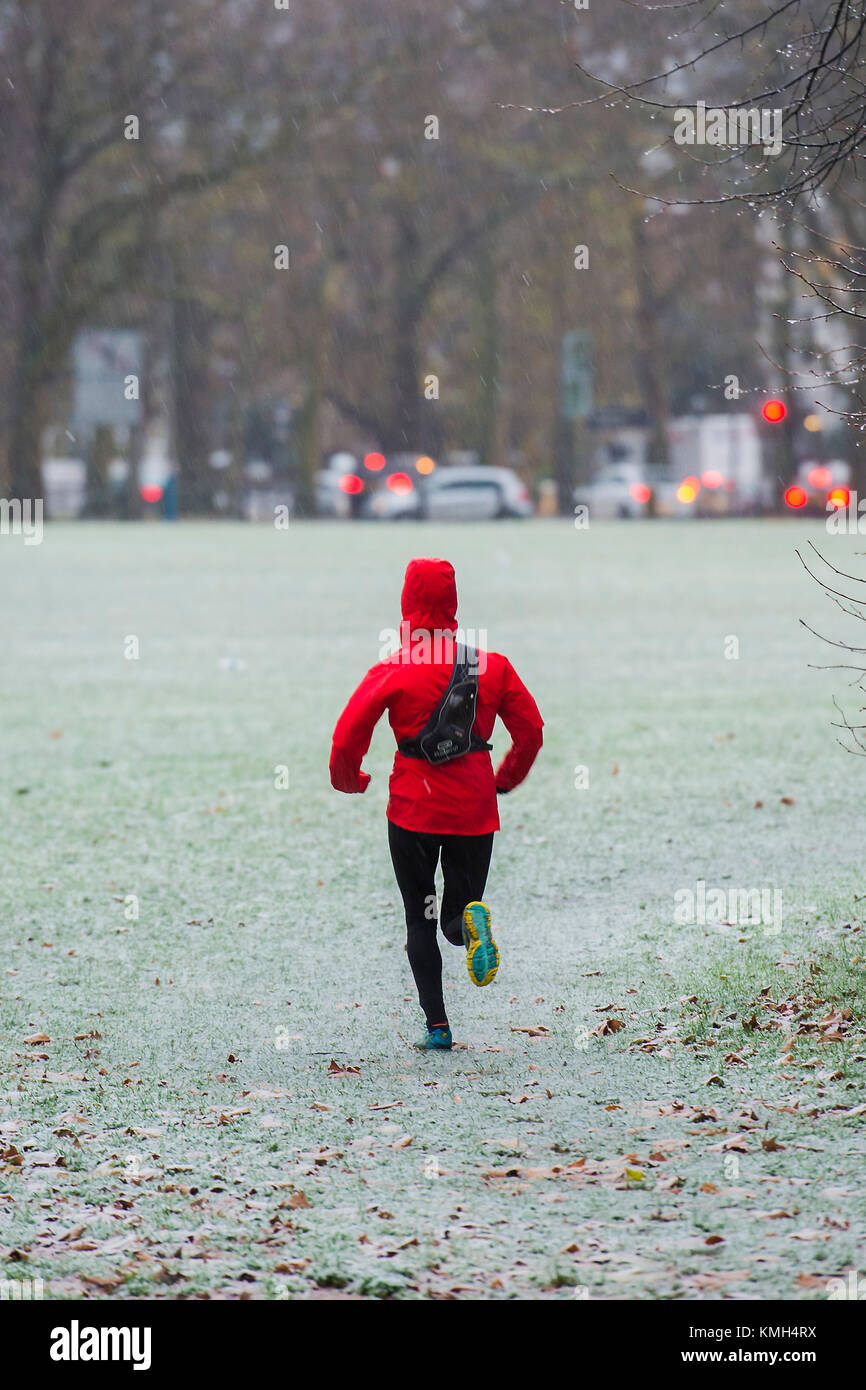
x=456 y=798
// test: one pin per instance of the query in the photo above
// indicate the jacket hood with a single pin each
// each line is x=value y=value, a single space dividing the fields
x=429 y=597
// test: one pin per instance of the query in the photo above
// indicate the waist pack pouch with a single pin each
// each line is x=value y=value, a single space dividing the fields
x=449 y=732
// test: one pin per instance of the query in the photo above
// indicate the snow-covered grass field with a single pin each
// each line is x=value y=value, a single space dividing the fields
x=207 y=1083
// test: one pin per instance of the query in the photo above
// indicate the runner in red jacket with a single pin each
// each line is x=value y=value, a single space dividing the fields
x=446 y=808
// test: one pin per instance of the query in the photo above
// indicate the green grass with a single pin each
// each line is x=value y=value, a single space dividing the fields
x=161 y=1140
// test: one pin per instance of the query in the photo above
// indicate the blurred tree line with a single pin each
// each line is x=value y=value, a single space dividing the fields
x=431 y=212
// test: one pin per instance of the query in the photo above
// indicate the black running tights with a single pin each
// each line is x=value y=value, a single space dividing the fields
x=465 y=862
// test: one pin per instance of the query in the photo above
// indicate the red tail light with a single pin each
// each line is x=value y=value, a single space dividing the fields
x=838 y=497
x=351 y=483
x=639 y=492
x=819 y=476
x=399 y=482
x=795 y=497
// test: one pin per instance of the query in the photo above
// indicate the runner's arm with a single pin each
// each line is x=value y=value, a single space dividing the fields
x=520 y=715
x=355 y=729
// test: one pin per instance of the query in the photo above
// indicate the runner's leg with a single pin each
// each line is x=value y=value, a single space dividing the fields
x=465 y=863
x=414 y=856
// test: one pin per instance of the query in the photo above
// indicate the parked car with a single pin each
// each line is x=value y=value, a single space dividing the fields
x=397 y=498
x=474 y=494
x=335 y=485
x=447 y=494
x=628 y=492
x=370 y=486
x=404 y=486
x=618 y=491
x=64 y=485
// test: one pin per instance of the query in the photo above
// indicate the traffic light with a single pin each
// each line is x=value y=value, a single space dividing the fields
x=774 y=411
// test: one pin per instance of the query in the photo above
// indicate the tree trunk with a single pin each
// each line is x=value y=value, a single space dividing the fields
x=25 y=430
x=563 y=459
x=28 y=372
x=26 y=402
x=649 y=360
x=487 y=338
x=562 y=441
x=102 y=450
x=196 y=482
x=782 y=442
x=404 y=428
x=309 y=414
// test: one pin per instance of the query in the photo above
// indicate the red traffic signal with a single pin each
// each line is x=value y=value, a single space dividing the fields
x=774 y=411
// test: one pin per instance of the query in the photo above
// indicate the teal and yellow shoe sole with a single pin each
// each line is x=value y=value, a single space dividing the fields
x=482 y=954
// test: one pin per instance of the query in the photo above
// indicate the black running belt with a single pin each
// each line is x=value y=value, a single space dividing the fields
x=450 y=730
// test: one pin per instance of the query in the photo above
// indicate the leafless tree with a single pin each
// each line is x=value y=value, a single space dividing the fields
x=807 y=60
